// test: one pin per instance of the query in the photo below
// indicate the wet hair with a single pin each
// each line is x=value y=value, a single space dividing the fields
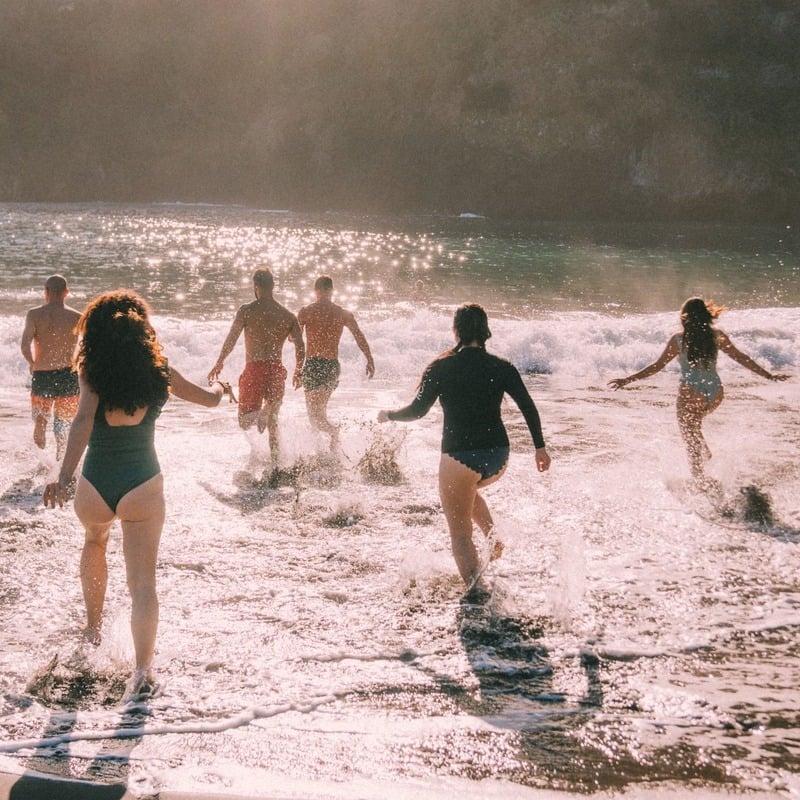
x=697 y=317
x=471 y=324
x=56 y=284
x=119 y=354
x=264 y=280
x=324 y=283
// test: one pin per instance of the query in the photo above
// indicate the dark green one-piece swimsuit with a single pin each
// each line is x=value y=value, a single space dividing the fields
x=120 y=457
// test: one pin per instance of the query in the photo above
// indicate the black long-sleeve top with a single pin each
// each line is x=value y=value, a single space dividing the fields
x=470 y=385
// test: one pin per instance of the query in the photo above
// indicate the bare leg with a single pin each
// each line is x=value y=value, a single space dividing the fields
x=483 y=517
x=692 y=407
x=458 y=486
x=317 y=407
x=61 y=443
x=270 y=412
x=40 y=431
x=97 y=518
x=64 y=411
x=141 y=513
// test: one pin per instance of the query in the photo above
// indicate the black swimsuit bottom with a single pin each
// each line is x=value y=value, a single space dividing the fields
x=486 y=463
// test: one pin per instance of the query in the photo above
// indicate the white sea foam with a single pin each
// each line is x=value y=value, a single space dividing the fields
x=630 y=626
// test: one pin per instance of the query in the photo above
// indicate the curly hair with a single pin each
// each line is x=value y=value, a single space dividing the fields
x=697 y=316
x=119 y=354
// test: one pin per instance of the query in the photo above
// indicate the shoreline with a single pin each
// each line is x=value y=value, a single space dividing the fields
x=35 y=786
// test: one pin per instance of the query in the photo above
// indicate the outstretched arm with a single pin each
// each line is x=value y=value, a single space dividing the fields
x=670 y=352
x=427 y=393
x=361 y=341
x=186 y=390
x=230 y=342
x=728 y=347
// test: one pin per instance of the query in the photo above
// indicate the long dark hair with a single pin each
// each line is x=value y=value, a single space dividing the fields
x=699 y=341
x=119 y=354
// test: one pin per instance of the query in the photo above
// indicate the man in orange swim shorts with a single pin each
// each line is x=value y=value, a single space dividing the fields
x=48 y=345
x=266 y=325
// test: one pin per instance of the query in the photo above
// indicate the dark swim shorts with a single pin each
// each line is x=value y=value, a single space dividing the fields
x=485 y=462
x=320 y=373
x=52 y=383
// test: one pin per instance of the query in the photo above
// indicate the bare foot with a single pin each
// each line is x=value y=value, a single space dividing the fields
x=140 y=686
x=497 y=550
x=92 y=636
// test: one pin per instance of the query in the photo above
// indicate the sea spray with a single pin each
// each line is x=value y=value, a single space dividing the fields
x=379 y=462
x=571 y=571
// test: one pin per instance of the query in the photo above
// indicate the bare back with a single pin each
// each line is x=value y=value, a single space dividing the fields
x=50 y=337
x=324 y=323
x=267 y=325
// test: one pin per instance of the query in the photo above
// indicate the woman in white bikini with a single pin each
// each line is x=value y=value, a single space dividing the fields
x=700 y=390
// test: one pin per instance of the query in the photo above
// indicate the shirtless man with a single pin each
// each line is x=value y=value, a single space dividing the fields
x=324 y=322
x=266 y=325
x=48 y=345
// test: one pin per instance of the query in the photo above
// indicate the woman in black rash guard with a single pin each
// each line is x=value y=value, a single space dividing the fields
x=470 y=384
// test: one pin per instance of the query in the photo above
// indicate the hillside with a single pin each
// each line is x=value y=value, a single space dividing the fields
x=630 y=109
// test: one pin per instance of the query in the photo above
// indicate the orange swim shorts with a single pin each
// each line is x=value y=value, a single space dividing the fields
x=261 y=381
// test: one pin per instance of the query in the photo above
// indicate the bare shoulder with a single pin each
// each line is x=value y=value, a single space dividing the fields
x=245 y=309
x=345 y=314
x=287 y=315
x=34 y=313
x=721 y=338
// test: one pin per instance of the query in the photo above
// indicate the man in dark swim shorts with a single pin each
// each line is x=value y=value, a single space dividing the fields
x=324 y=322
x=48 y=345
x=320 y=373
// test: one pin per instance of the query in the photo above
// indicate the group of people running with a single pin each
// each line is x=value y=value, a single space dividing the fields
x=104 y=370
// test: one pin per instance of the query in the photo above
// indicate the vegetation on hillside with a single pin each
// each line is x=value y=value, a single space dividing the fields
x=515 y=108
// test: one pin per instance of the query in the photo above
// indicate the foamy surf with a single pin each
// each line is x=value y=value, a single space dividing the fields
x=313 y=640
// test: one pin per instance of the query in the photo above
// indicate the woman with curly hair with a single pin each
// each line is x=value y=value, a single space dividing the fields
x=470 y=384
x=700 y=390
x=124 y=383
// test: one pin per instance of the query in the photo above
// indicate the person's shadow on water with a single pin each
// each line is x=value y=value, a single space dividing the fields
x=280 y=485
x=66 y=689
x=252 y=494
x=515 y=675
x=508 y=658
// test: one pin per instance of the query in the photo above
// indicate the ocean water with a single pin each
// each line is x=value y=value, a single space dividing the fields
x=640 y=638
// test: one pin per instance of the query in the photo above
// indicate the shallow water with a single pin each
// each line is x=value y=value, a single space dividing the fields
x=313 y=640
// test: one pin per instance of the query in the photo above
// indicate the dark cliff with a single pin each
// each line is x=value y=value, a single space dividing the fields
x=516 y=108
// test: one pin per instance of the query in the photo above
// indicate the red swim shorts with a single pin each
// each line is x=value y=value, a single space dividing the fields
x=261 y=381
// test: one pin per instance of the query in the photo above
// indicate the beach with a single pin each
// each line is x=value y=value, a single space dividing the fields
x=640 y=639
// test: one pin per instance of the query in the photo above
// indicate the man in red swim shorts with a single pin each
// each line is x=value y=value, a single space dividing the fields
x=266 y=325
